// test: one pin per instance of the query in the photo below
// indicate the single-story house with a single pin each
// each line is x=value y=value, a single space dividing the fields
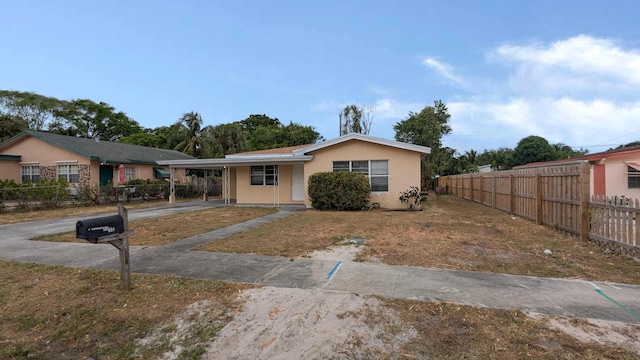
x=612 y=173
x=33 y=155
x=280 y=176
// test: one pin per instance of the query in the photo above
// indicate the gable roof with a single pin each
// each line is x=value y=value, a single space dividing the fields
x=366 y=138
x=104 y=151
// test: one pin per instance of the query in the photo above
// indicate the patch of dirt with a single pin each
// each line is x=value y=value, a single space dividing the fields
x=603 y=332
x=277 y=323
x=337 y=253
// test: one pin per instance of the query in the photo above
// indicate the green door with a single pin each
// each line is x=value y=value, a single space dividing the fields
x=106 y=174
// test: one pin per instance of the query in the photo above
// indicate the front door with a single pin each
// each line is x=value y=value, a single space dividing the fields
x=106 y=174
x=599 y=180
x=297 y=183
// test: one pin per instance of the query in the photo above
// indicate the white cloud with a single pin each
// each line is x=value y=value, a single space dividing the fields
x=575 y=122
x=577 y=65
x=581 y=91
x=443 y=69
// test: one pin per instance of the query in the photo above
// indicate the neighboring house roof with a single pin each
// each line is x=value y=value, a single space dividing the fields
x=292 y=154
x=104 y=151
x=592 y=158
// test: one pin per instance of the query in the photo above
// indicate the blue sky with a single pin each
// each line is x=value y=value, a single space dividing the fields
x=565 y=70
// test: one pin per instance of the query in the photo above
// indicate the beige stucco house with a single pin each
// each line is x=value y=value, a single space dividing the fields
x=33 y=155
x=280 y=176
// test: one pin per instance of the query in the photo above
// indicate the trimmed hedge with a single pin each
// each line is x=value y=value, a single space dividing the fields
x=339 y=191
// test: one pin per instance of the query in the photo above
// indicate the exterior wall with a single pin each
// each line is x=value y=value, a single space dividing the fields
x=404 y=167
x=616 y=180
x=10 y=170
x=44 y=155
x=251 y=194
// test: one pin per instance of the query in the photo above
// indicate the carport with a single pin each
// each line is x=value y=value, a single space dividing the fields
x=229 y=166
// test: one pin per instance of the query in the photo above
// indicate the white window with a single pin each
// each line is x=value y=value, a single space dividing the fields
x=30 y=174
x=264 y=175
x=376 y=170
x=129 y=173
x=68 y=173
x=633 y=178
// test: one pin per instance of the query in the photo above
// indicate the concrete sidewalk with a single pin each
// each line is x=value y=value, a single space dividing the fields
x=575 y=298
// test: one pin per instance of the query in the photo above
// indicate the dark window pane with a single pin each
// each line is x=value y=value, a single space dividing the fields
x=340 y=166
x=379 y=183
x=360 y=167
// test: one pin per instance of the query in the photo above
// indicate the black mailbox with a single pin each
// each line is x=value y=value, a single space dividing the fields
x=92 y=229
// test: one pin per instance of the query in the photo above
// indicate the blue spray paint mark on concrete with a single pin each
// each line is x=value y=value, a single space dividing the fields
x=617 y=303
x=333 y=271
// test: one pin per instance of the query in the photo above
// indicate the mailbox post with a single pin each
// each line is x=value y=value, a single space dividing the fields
x=114 y=230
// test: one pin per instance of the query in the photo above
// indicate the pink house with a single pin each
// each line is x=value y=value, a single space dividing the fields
x=613 y=172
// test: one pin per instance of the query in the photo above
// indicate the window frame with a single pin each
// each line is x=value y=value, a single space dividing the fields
x=69 y=175
x=264 y=175
x=358 y=168
x=31 y=175
x=633 y=178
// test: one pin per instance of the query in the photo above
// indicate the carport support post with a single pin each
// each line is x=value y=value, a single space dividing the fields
x=125 y=265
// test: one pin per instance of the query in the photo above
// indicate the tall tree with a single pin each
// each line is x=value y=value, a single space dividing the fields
x=190 y=133
x=356 y=119
x=263 y=132
x=427 y=128
x=224 y=139
x=36 y=110
x=86 y=118
x=10 y=126
x=499 y=159
x=254 y=121
x=564 y=151
x=532 y=149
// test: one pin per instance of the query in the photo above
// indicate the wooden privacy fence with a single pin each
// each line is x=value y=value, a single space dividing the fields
x=557 y=196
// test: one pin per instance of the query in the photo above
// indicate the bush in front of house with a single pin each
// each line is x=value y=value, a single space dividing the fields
x=339 y=191
x=45 y=194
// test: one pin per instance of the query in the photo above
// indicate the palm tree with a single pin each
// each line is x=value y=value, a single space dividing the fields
x=190 y=133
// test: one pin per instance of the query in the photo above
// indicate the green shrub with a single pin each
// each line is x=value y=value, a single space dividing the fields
x=412 y=197
x=45 y=194
x=339 y=191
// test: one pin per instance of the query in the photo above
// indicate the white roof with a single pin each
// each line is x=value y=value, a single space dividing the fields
x=371 y=139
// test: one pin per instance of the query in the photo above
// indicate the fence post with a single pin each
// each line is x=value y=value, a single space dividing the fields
x=471 y=187
x=511 y=196
x=538 y=199
x=493 y=190
x=125 y=264
x=584 y=201
x=481 y=189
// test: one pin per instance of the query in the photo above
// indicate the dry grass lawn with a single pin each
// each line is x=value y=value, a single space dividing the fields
x=16 y=217
x=166 y=229
x=52 y=312
x=449 y=233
